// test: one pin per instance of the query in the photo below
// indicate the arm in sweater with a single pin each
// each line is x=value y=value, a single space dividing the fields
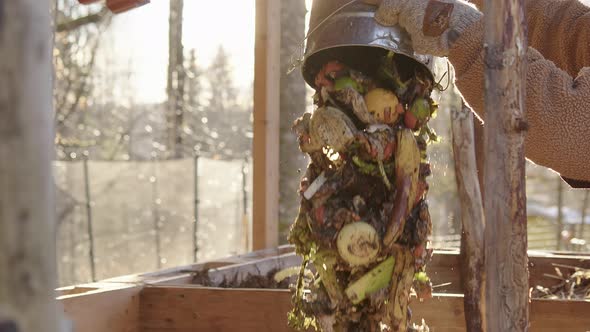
x=558 y=105
x=559 y=30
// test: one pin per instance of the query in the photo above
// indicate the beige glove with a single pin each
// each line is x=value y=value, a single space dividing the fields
x=433 y=25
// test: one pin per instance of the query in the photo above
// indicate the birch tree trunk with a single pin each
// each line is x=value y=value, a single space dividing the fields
x=506 y=289
x=472 y=215
x=27 y=226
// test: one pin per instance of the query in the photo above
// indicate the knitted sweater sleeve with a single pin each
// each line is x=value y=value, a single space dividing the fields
x=558 y=29
x=557 y=101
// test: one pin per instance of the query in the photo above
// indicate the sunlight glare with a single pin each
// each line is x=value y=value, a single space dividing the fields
x=139 y=42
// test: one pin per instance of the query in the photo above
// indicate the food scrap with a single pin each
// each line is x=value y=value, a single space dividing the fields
x=363 y=227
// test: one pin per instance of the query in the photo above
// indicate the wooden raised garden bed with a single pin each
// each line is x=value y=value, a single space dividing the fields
x=170 y=301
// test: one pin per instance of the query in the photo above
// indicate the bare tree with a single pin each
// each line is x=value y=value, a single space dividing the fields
x=176 y=80
x=27 y=223
x=224 y=96
x=77 y=41
x=228 y=122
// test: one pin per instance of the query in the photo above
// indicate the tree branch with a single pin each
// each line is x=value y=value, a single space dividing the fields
x=82 y=21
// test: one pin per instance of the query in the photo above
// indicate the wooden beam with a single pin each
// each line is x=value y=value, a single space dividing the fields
x=267 y=76
x=194 y=309
x=28 y=272
x=472 y=215
x=506 y=289
x=116 y=304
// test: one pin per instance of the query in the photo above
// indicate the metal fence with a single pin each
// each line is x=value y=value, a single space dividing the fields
x=118 y=218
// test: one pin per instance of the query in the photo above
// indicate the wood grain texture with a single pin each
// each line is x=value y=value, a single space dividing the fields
x=265 y=233
x=194 y=309
x=120 y=305
x=201 y=309
x=112 y=308
x=506 y=277
x=472 y=213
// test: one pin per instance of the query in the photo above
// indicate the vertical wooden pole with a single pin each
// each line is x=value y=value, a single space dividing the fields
x=472 y=214
x=28 y=272
x=506 y=290
x=266 y=125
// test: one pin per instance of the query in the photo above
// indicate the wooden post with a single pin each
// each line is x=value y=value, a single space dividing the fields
x=28 y=274
x=266 y=125
x=472 y=215
x=506 y=290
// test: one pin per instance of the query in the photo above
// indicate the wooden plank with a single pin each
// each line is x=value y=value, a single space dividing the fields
x=110 y=308
x=200 y=309
x=75 y=290
x=265 y=233
x=194 y=309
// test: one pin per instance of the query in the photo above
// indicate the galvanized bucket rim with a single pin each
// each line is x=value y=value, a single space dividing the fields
x=310 y=79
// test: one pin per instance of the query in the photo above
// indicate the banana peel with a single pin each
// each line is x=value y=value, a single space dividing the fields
x=407 y=171
x=395 y=310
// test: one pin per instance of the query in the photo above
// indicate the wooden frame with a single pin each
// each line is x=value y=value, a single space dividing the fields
x=167 y=301
x=183 y=309
x=267 y=77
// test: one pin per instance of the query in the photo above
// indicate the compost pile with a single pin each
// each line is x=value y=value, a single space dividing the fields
x=364 y=224
x=575 y=286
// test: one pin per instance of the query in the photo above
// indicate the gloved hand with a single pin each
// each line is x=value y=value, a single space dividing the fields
x=433 y=25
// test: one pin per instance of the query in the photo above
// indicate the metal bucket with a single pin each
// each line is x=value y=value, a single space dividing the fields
x=350 y=34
